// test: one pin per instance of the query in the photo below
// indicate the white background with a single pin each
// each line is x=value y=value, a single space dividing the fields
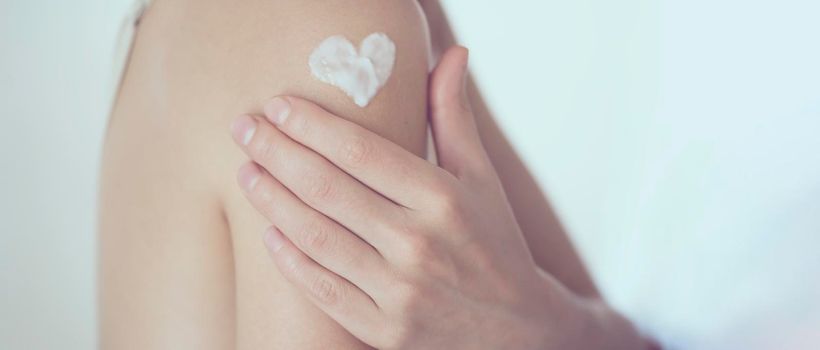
x=678 y=141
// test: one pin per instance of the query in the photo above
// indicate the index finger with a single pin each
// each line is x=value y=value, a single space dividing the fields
x=380 y=164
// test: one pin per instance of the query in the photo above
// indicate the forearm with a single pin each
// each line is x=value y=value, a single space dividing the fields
x=607 y=329
x=598 y=326
x=584 y=323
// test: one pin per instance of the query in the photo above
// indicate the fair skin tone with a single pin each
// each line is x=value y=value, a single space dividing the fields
x=402 y=253
x=180 y=261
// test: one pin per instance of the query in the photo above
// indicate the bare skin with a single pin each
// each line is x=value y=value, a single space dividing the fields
x=182 y=265
x=548 y=241
x=181 y=261
x=435 y=260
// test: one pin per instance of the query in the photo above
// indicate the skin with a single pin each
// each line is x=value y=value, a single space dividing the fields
x=181 y=264
x=429 y=261
x=548 y=241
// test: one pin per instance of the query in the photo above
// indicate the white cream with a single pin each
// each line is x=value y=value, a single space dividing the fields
x=360 y=74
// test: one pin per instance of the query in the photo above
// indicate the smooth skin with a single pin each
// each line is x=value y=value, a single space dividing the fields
x=402 y=253
x=181 y=266
x=549 y=243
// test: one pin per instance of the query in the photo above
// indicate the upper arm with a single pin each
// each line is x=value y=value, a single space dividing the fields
x=235 y=56
x=219 y=59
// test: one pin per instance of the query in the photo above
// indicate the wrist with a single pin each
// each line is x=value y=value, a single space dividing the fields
x=605 y=328
x=573 y=322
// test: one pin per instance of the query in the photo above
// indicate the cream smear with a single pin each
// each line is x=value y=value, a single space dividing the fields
x=360 y=74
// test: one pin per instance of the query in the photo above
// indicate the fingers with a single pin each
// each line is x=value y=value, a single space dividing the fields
x=341 y=300
x=378 y=163
x=318 y=183
x=323 y=240
x=458 y=144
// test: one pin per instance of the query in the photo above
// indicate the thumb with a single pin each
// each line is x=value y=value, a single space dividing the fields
x=458 y=145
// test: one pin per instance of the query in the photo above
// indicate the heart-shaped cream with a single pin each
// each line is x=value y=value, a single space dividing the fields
x=360 y=74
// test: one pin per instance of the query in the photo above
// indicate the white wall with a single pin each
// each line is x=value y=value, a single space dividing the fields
x=680 y=143
x=54 y=72
x=677 y=139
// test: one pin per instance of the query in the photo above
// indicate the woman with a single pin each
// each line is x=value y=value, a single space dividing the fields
x=181 y=262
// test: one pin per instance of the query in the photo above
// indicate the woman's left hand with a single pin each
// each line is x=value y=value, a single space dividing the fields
x=400 y=252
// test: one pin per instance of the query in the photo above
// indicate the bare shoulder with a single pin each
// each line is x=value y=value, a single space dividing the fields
x=196 y=65
x=252 y=50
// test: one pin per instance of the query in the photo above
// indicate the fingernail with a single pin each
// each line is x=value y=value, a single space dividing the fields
x=277 y=110
x=273 y=239
x=243 y=129
x=248 y=176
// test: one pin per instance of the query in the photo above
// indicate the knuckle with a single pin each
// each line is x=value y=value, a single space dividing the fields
x=428 y=259
x=356 y=151
x=316 y=237
x=410 y=298
x=326 y=291
x=446 y=202
x=319 y=187
x=297 y=125
x=265 y=149
x=265 y=199
x=419 y=250
x=402 y=226
x=291 y=268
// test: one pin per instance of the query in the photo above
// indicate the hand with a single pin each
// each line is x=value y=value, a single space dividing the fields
x=400 y=252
